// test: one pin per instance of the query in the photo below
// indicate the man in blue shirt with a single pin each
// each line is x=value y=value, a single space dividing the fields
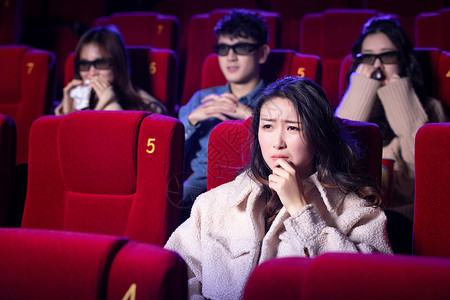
x=241 y=49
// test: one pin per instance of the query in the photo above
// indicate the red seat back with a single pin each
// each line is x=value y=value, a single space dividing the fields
x=279 y=63
x=331 y=35
x=153 y=70
x=52 y=264
x=106 y=172
x=27 y=90
x=443 y=80
x=11 y=16
x=143 y=271
x=230 y=144
x=8 y=142
x=43 y=264
x=201 y=40
x=345 y=276
x=431 y=29
x=432 y=200
x=145 y=28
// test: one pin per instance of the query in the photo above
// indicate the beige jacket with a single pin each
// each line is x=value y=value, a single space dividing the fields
x=224 y=239
x=365 y=100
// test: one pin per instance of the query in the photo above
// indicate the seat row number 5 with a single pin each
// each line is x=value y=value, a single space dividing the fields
x=150 y=146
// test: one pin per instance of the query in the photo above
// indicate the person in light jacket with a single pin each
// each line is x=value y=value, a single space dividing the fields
x=300 y=196
x=387 y=88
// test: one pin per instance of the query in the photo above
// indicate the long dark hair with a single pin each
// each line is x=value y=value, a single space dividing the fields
x=110 y=42
x=408 y=63
x=336 y=154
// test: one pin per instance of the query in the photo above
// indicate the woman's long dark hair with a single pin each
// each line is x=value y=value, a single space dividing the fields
x=111 y=44
x=409 y=65
x=336 y=155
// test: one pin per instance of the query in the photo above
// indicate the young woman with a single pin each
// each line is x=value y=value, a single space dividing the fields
x=299 y=197
x=102 y=77
x=386 y=88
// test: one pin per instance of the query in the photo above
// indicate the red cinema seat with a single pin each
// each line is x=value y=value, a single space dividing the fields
x=8 y=142
x=57 y=26
x=45 y=264
x=144 y=271
x=442 y=88
x=230 y=143
x=53 y=264
x=292 y=11
x=431 y=29
x=432 y=198
x=350 y=276
x=201 y=40
x=110 y=172
x=279 y=64
x=27 y=90
x=11 y=22
x=145 y=28
x=153 y=70
x=331 y=35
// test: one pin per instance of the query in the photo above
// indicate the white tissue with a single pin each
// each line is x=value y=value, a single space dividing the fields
x=80 y=94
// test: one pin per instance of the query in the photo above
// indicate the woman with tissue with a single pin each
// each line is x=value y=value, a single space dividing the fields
x=102 y=77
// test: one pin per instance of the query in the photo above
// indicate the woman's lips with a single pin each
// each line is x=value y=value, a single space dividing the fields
x=275 y=157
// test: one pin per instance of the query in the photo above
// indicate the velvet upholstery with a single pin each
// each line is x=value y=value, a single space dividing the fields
x=145 y=28
x=53 y=264
x=443 y=80
x=153 y=70
x=432 y=199
x=230 y=143
x=280 y=63
x=106 y=172
x=330 y=35
x=46 y=264
x=8 y=142
x=350 y=276
x=27 y=89
x=437 y=23
x=148 y=272
x=201 y=39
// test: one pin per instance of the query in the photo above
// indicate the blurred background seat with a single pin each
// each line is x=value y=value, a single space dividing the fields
x=432 y=199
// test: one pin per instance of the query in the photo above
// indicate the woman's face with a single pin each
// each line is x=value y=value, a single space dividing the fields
x=281 y=137
x=378 y=43
x=91 y=53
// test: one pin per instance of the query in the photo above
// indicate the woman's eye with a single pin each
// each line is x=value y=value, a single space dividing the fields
x=293 y=128
x=267 y=126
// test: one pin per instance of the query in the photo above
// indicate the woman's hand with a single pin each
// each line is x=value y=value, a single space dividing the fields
x=68 y=104
x=104 y=91
x=391 y=79
x=289 y=188
x=365 y=70
x=100 y=85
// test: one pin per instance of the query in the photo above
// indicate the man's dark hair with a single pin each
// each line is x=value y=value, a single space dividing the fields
x=242 y=23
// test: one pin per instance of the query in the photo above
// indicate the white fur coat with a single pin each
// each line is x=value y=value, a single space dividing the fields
x=224 y=238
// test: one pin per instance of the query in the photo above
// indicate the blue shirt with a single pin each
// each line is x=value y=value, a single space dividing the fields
x=197 y=136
